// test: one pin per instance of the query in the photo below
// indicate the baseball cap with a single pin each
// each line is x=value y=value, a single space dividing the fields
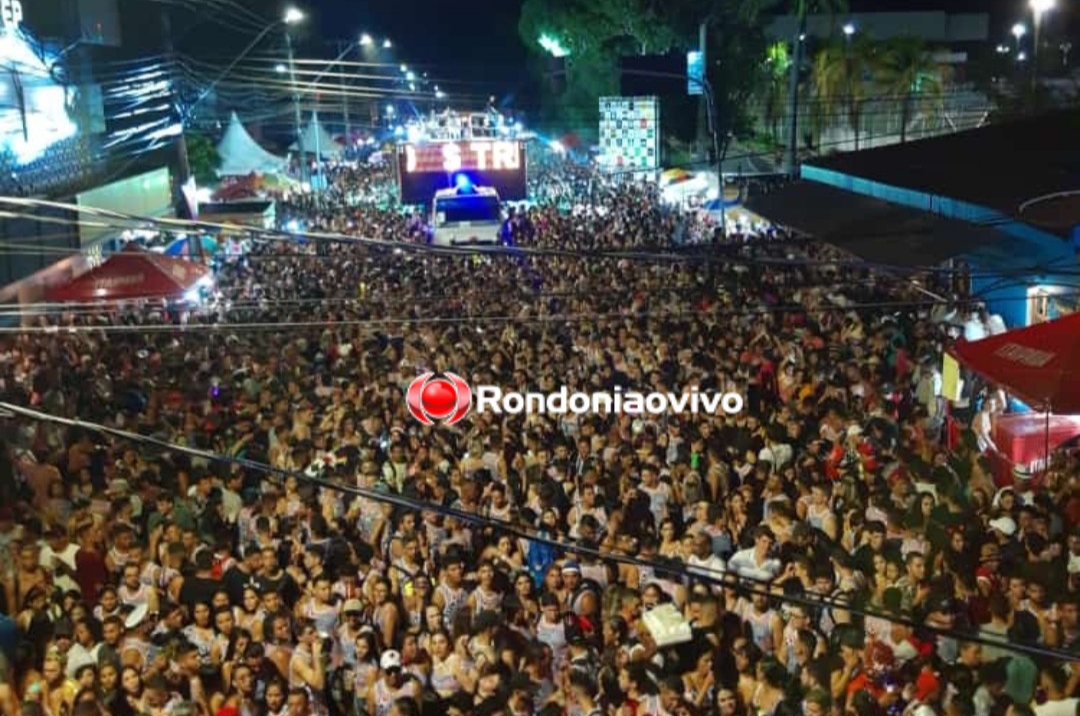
x=571 y=567
x=390 y=659
x=1005 y=525
x=926 y=685
x=352 y=605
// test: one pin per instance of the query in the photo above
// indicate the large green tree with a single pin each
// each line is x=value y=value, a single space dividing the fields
x=594 y=34
x=842 y=79
x=907 y=72
x=801 y=10
x=203 y=158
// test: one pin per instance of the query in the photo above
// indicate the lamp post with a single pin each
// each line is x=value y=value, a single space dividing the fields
x=291 y=67
x=1038 y=9
x=1018 y=31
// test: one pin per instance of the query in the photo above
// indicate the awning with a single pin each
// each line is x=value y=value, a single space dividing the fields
x=873 y=229
x=1039 y=364
x=132 y=274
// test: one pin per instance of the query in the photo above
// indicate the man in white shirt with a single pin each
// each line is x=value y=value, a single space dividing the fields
x=1054 y=680
x=754 y=562
x=702 y=561
x=58 y=556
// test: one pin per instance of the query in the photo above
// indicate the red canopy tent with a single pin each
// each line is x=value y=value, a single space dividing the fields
x=132 y=274
x=1039 y=364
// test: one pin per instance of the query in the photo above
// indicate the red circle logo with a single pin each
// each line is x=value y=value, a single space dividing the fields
x=447 y=398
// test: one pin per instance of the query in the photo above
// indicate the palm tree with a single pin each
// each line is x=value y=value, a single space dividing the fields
x=801 y=9
x=841 y=74
x=775 y=74
x=906 y=71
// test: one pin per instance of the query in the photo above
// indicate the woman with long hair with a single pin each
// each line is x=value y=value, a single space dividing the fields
x=250 y=614
x=449 y=674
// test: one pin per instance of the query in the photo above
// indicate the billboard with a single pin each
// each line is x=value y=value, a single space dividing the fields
x=695 y=72
x=629 y=134
x=424 y=168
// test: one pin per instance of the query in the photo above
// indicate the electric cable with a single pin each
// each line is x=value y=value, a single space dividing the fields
x=749 y=585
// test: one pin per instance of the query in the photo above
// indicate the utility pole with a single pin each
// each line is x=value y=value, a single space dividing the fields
x=344 y=50
x=703 y=33
x=296 y=108
x=798 y=43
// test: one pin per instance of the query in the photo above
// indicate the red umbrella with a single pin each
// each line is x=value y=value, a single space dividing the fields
x=132 y=274
x=1039 y=364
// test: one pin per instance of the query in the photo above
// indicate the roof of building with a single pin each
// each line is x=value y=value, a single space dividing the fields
x=1002 y=167
x=875 y=230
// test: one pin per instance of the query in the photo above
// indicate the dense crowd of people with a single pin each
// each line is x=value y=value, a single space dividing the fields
x=261 y=529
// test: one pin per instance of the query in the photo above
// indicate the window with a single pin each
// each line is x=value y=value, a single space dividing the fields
x=472 y=209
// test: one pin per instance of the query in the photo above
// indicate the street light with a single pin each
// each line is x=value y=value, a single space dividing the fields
x=849 y=30
x=366 y=40
x=293 y=16
x=1038 y=9
x=1018 y=31
x=280 y=68
x=553 y=46
x=387 y=44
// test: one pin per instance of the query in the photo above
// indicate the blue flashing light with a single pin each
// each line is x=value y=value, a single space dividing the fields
x=463 y=183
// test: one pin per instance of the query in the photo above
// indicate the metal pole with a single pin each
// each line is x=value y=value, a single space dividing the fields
x=1036 y=22
x=296 y=108
x=716 y=151
x=318 y=154
x=703 y=31
x=793 y=96
x=345 y=98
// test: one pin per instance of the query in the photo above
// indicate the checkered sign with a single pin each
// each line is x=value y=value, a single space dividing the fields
x=629 y=133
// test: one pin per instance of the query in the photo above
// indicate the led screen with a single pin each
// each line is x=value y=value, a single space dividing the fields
x=629 y=133
x=33 y=105
x=425 y=168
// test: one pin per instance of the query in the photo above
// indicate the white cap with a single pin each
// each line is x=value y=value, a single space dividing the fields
x=1005 y=525
x=137 y=616
x=1020 y=472
x=390 y=659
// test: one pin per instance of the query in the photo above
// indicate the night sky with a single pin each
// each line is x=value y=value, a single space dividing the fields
x=464 y=39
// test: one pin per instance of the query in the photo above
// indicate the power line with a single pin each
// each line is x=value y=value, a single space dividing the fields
x=749 y=585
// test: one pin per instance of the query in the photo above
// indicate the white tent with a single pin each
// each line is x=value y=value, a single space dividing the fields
x=316 y=139
x=241 y=155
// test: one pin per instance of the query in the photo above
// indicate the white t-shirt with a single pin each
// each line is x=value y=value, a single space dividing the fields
x=1062 y=707
x=711 y=566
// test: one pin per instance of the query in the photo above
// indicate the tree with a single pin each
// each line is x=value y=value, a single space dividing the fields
x=773 y=88
x=736 y=46
x=802 y=9
x=592 y=35
x=203 y=158
x=842 y=73
x=906 y=70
